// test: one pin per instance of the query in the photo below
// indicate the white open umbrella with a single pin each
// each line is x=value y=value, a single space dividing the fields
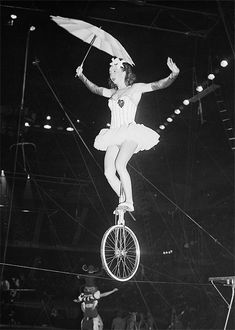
x=95 y=36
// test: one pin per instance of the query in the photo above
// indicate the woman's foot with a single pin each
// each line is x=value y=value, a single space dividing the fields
x=127 y=206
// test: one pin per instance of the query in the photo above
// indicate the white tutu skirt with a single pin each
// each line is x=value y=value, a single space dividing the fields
x=145 y=137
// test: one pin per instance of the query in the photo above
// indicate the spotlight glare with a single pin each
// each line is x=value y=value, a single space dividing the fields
x=2 y=173
x=69 y=129
x=177 y=111
x=78 y=120
x=162 y=127
x=211 y=76
x=26 y=124
x=169 y=119
x=199 y=88
x=47 y=126
x=186 y=102
x=32 y=28
x=224 y=63
x=48 y=117
x=13 y=16
x=108 y=124
x=28 y=176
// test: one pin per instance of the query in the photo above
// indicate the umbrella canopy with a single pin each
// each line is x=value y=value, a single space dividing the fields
x=86 y=32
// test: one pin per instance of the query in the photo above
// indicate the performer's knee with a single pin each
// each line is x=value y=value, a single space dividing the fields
x=109 y=174
x=120 y=167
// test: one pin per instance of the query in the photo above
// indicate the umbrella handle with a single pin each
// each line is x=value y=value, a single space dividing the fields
x=91 y=44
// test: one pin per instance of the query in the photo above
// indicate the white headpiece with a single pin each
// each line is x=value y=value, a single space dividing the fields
x=117 y=62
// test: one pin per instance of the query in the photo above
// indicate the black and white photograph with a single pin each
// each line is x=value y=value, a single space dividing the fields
x=117 y=165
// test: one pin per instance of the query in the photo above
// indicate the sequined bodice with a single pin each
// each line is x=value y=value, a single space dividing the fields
x=123 y=111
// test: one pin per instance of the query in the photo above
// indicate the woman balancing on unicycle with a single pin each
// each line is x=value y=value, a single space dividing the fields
x=124 y=137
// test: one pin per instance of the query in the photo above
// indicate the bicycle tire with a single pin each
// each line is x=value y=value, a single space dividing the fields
x=120 y=252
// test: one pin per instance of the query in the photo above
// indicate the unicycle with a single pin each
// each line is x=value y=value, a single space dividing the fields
x=120 y=251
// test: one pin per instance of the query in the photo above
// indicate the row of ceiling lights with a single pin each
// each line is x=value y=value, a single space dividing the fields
x=48 y=125
x=199 y=89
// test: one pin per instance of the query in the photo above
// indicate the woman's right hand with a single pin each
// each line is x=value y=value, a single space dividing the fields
x=79 y=71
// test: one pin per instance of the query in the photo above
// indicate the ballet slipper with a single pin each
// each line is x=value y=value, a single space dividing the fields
x=118 y=208
x=126 y=206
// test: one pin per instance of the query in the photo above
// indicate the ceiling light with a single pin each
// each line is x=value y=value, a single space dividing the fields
x=211 y=76
x=177 y=111
x=199 y=88
x=169 y=120
x=186 y=102
x=224 y=63
x=48 y=117
x=162 y=127
x=47 y=126
x=69 y=129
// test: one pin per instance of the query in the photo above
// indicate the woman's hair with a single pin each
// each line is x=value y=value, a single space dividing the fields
x=129 y=79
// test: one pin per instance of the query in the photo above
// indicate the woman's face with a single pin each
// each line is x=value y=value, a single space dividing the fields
x=116 y=74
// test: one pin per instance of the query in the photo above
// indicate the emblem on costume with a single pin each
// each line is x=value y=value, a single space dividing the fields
x=120 y=103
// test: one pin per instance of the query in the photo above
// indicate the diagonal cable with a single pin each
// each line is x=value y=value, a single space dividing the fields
x=36 y=62
x=185 y=213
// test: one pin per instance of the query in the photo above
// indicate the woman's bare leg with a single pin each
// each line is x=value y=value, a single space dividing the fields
x=110 y=168
x=126 y=151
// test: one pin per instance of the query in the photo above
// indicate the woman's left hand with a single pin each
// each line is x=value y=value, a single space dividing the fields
x=172 y=66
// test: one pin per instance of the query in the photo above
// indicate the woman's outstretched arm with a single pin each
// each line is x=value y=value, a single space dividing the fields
x=105 y=294
x=91 y=86
x=163 y=83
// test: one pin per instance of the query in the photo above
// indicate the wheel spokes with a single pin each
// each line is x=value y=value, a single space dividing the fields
x=120 y=252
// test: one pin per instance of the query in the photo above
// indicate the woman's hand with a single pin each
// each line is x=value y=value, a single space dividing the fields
x=172 y=66
x=79 y=71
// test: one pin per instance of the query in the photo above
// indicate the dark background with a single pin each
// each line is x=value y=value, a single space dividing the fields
x=183 y=188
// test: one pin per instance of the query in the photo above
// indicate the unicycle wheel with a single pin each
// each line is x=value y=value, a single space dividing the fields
x=120 y=252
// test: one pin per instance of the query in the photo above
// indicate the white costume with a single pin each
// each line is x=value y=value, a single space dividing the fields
x=123 y=127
